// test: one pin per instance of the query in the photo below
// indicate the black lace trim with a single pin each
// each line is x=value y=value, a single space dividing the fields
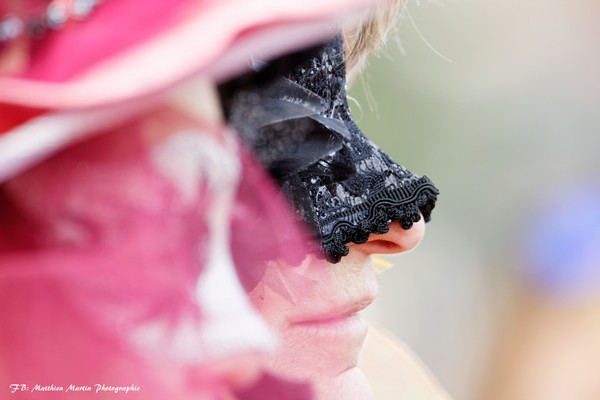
x=354 y=225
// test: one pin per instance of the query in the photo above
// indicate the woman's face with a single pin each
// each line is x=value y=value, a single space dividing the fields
x=300 y=127
x=316 y=313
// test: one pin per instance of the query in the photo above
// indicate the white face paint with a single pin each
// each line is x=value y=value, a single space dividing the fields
x=232 y=335
x=230 y=324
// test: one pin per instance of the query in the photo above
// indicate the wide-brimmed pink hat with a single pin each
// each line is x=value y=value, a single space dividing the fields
x=128 y=48
x=76 y=68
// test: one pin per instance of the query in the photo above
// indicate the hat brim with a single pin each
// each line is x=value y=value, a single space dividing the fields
x=216 y=43
x=225 y=36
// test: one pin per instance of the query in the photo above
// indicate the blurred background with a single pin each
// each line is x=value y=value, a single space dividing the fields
x=498 y=102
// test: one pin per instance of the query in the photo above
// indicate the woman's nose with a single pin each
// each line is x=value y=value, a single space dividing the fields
x=396 y=240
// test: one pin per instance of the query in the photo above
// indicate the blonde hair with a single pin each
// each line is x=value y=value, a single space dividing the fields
x=367 y=36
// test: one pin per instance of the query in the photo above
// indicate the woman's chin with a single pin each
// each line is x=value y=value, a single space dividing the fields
x=329 y=378
x=349 y=385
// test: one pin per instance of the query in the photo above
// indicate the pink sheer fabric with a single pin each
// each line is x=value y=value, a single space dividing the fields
x=125 y=50
x=99 y=282
x=103 y=248
x=116 y=210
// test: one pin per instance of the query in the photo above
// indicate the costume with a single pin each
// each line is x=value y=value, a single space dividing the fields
x=115 y=199
x=118 y=191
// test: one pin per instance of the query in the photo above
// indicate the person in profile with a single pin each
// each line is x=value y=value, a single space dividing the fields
x=128 y=204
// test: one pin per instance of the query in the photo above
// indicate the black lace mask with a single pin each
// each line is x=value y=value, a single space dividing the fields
x=300 y=127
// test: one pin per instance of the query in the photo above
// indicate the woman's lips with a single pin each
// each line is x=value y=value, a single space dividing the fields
x=331 y=315
x=331 y=340
x=346 y=330
x=338 y=323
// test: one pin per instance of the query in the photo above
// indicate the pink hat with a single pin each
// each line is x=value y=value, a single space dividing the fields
x=126 y=50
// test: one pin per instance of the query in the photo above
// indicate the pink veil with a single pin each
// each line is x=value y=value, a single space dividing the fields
x=100 y=252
